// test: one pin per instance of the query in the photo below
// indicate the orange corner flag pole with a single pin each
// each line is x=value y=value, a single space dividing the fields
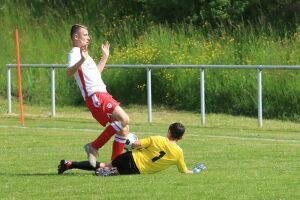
x=19 y=77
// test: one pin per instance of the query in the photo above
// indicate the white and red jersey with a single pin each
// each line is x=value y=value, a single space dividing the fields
x=87 y=76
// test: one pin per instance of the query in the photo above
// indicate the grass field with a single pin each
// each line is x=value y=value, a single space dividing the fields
x=243 y=162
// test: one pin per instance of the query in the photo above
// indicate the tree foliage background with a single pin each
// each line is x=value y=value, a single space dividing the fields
x=282 y=14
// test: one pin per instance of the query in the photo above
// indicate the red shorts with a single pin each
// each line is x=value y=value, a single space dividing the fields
x=101 y=105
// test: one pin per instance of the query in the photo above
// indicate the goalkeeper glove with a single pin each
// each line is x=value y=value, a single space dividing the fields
x=198 y=168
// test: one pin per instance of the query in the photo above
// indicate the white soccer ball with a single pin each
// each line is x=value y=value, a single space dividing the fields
x=131 y=138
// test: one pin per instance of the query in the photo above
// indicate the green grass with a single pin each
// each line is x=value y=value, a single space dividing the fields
x=243 y=161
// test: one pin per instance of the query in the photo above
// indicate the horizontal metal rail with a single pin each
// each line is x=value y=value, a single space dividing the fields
x=149 y=67
x=169 y=66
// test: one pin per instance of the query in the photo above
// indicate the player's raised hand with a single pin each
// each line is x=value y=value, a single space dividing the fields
x=105 y=49
x=84 y=52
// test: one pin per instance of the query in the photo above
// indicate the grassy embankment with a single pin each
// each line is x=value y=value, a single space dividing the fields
x=45 y=39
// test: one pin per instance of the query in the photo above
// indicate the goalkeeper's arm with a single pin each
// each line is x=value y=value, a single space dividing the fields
x=188 y=171
x=142 y=143
x=196 y=169
x=136 y=145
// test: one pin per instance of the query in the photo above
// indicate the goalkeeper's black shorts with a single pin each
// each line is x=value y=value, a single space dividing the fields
x=125 y=164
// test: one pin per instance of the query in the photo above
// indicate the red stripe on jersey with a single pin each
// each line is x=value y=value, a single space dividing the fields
x=82 y=81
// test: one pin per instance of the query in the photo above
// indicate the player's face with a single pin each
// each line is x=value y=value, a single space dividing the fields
x=168 y=134
x=83 y=37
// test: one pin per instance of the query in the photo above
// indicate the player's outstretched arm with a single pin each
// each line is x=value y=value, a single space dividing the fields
x=195 y=170
x=188 y=171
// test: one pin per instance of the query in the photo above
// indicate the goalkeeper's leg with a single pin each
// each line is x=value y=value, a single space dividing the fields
x=65 y=165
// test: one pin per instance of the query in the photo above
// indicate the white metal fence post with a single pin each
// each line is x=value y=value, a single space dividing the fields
x=53 y=90
x=8 y=78
x=202 y=96
x=259 y=86
x=149 y=95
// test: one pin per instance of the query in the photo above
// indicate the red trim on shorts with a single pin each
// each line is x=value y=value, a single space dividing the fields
x=82 y=81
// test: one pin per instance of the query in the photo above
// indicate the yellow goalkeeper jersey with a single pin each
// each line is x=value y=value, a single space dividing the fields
x=158 y=153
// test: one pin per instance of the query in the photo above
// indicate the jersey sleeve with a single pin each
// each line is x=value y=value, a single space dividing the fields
x=181 y=164
x=73 y=58
x=146 y=142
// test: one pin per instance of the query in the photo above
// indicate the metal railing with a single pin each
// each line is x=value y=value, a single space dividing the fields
x=149 y=88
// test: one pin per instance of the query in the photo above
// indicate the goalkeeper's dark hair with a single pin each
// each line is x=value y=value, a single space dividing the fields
x=176 y=130
x=75 y=29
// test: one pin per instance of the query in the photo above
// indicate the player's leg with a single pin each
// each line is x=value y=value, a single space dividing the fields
x=105 y=109
x=101 y=106
x=125 y=164
x=122 y=164
x=93 y=147
x=118 y=119
x=65 y=165
x=119 y=125
x=120 y=116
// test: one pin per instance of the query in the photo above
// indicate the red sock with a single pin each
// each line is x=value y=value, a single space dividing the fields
x=68 y=164
x=118 y=146
x=103 y=137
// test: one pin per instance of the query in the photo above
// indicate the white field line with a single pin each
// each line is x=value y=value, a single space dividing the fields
x=147 y=133
x=53 y=128
x=251 y=138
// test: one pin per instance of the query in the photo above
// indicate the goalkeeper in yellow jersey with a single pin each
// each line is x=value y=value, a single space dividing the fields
x=149 y=155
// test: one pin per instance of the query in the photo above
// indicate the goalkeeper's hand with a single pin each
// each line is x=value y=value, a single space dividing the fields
x=198 y=168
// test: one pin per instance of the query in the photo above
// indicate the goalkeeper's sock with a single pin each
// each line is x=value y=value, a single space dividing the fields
x=118 y=146
x=68 y=164
x=84 y=165
x=103 y=137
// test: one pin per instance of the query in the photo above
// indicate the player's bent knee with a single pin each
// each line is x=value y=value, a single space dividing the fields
x=124 y=120
x=120 y=115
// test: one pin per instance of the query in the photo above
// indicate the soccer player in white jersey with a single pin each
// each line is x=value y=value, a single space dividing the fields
x=150 y=155
x=101 y=104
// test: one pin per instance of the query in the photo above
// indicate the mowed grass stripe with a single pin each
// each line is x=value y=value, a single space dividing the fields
x=151 y=133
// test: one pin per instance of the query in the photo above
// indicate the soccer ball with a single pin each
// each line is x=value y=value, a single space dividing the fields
x=131 y=138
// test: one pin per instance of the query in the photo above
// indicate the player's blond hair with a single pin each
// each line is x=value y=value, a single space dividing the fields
x=75 y=29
